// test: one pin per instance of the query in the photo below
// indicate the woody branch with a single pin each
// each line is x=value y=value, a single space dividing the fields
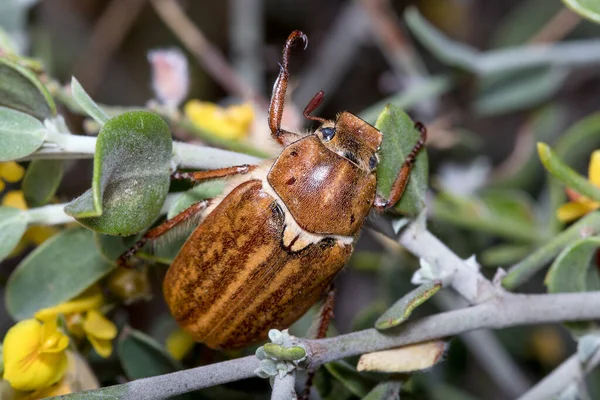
x=509 y=310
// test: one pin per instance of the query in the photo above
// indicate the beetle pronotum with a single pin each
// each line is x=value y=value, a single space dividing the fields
x=268 y=248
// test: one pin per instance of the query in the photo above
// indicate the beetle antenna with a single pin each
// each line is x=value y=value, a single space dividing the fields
x=312 y=106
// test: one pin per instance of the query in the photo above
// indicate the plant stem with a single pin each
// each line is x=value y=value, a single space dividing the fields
x=283 y=388
x=185 y=155
x=525 y=269
x=510 y=310
x=570 y=371
x=53 y=214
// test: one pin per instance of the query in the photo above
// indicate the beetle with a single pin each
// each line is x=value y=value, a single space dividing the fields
x=269 y=246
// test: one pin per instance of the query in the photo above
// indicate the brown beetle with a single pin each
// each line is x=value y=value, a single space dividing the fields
x=268 y=248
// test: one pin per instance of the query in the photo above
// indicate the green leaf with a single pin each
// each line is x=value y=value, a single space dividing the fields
x=575 y=270
x=352 y=380
x=401 y=310
x=521 y=272
x=58 y=270
x=589 y=9
x=385 y=391
x=111 y=247
x=21 y=90
x=202 y=191
x=41 y=181
x=523 y=21
x=13 y=223
x=142 y=357
x=503 y=254
x=509 y=92
x=501 y=213
x=131 y=175
x=20 y=134
x=85 y=101
x=399 y=137
x=405 y=99
x=565 y=174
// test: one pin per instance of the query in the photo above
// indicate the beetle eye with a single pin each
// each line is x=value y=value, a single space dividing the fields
x=328 y=133
x=373 y=161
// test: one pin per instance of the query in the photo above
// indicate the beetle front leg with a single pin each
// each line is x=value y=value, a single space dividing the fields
x=163 y=228
x=282 y=136
x=401 y=181
x=200 y=176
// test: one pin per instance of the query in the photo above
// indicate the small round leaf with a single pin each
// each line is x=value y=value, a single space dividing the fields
x=21 y=90
x=131 y=175
x=589 y=9
x=56 y=271
x=20 y=134
x=399 y=138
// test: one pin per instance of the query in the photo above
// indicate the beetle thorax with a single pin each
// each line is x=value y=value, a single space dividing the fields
x=325 y=193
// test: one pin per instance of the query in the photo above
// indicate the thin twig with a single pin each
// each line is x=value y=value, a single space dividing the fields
x=334 y=56
x=207 y=54
x=570 y=371
x=511 y=310
x=399 y=51
x=489 y=352
x=110 y=30
x=185 y=155
x=246 y=35
x=394 y=44
x=559 y=26
x=284 y=388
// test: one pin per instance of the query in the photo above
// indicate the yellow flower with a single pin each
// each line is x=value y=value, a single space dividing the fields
x=179 y=343
x=581 y=205
x=10 y=172
x=85 y=320
x=78 y=377
x=34 y=354
x=232 y=122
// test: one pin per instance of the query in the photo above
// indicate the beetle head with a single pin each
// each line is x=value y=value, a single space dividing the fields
x=352 y=138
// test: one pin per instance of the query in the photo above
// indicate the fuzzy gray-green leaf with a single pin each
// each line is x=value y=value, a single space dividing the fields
x=399 y=138
x=41 y=181
x=131 y=175
x=142 y=357
x=59 y=269
x=21 y=90
x=13 y=223
x=20 y=134
x=86 y=102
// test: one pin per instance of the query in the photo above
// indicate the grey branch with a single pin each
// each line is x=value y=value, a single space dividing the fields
x=509 y=310
x=283 y=388
x=570 y=371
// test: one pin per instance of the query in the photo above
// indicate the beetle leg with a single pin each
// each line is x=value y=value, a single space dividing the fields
x=161 y=229
x=199 y=176
x=401 y=181
x=282 y=136
x=324 y=320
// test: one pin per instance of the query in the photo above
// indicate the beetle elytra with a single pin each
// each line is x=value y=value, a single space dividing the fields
x=268 y=248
